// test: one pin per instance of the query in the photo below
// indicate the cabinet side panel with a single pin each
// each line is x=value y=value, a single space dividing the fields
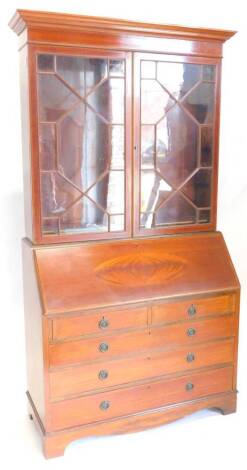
x=25 y=123
x=34 y=333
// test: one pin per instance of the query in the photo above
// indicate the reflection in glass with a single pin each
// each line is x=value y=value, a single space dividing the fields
x=111 y=201
x=200 y=103
x=204 y=216
x=206 y=146
x=178 y=78
x=51 y=225
x=84 y=149
x=117 y=146
x=47 y=146
x=155 y=101
x=81 y=73
x=116 y=68
x=147 y=145
x=198 y=188
x=176 y=211
x=84 y=216
x=54 y=98
x=108 y=100
x=45 y=62
x=209 y=72
x=176 y=99
x=148 y=69
x=176 y=146
x=116 y=223
x=82 y=143
x=56 y=194
x=154 y=191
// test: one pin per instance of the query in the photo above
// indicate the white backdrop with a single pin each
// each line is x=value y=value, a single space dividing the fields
x=213 y=442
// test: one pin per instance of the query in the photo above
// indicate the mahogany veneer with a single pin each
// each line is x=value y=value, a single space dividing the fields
x=131 y=298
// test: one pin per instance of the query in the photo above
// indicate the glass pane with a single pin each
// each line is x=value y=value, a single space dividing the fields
x=155 y=102
x=45 y=63
x=84 y=216
x=84 y=150
x=206 y=146
x=198 y=188
x=116 y=68
x=200 y=103
x=204 y=216
x=56 y=193
x=154 y=190
x=55 y=98
x=176 y=135
x=147 y=146
x=51 y=226
x=116 y=223
x=147 y=219
x=148 y=69
x=108 y=100
x=178 y=78
x=175 y=211
x=47 y=146
x=117 y=146
x=176 y=146
x=209 y=72
x=82 y=143
x=81 y=73
x=109 y=192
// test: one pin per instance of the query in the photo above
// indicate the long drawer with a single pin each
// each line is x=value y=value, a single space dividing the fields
x=168 y=312
x=78 y=379
x=125 y=401
x=99 y=322
x=72 y=352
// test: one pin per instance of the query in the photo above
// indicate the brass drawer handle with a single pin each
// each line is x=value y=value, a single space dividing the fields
x=104 y=405
x=189 y=386
x=103 y=323
x=191 y=332
x=103 y=374
x=191 y=310
x=190 y=357
x=103 y=347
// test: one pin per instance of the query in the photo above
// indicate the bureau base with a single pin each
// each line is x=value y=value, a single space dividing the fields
x=54 y=443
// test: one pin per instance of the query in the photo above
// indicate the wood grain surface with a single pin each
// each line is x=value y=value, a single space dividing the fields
x=86 y=276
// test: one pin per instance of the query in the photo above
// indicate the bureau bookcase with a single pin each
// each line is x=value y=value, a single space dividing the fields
x=131 y=298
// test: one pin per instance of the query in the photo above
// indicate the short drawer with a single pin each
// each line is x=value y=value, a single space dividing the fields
x=136 y=399
x=75 y=380
x=168 y=312
x=98 y=322
x=110 y=346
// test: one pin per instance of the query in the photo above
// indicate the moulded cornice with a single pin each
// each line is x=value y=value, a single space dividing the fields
x=23 y=19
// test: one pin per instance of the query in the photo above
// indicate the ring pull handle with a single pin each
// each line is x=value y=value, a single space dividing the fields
x=189 y=386
x=190 y=357
x=103 y=347
x=191 y=332
x=103 y=374
x=104 y=405
x=191 y=310
x=103 y=323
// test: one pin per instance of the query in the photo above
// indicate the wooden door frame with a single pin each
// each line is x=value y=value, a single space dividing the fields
x=137 y=231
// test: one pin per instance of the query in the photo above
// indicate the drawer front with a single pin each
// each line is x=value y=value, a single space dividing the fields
x=192 y=308
x=100 y=322
x=153 y=395
x=79 y=379
x=107 y=347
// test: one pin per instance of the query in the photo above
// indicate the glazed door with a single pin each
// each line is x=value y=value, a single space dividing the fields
x=176 y=141
x=84 y=148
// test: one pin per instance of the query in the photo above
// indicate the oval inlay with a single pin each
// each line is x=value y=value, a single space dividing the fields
x=139 y=269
